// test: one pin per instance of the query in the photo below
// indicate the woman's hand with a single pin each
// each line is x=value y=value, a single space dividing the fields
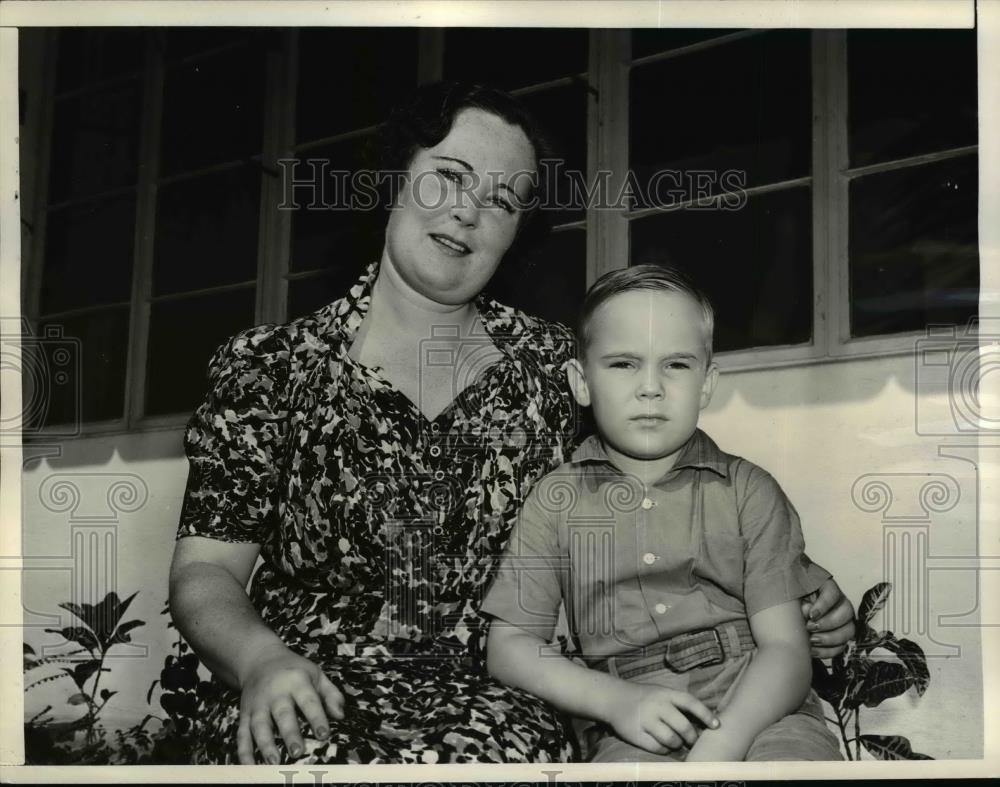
x=830 y=619
x=656 y=719
x=273 y=683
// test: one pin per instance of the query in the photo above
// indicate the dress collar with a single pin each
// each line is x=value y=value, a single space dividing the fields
x=699 y=452
x=507 y=328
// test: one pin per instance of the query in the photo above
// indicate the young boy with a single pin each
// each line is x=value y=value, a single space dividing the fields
x=681 y=567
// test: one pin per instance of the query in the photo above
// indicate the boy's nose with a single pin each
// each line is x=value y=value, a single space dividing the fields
x=650 y=388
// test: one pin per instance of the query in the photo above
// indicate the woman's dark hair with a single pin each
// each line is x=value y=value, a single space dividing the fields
x=425 y=118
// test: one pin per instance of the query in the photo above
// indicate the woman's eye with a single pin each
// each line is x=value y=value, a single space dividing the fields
x=503 y=204
x=451 y=174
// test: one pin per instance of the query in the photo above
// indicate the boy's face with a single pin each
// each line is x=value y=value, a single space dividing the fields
x=645 y=372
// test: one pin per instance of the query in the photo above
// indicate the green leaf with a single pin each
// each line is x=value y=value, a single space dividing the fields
x=109 y=613
x=856 y=674
x=885 y=679
x=873 y=601
x=891 y=747
x=828 y=686
x=107 y=695
x=77 y=699
x=78 y=634
x=913 y=659
x=82 y=672
x=121 y=633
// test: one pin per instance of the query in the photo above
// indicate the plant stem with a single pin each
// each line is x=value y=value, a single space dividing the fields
x=843 y=734
x=857 y=733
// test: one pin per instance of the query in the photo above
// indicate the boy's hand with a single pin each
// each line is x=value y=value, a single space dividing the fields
x=658 y=719
x=830 y=620
x=274 y=683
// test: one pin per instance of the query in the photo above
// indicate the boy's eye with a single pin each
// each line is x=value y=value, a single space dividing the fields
x=622 y=365
x=678 y=365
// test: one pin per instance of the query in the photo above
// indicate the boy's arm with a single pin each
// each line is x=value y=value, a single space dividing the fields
x=654 y=718
x=774 y=684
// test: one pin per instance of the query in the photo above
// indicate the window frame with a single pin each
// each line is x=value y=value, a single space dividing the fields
x=609 y=65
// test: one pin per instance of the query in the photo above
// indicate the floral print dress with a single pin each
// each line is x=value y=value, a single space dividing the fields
x=380 y=530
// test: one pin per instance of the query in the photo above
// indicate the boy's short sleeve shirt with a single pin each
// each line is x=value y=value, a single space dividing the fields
x=715 y=540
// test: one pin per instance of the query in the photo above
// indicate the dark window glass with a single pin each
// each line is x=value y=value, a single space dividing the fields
x=914 y=247
x=88 y=55
x=183 y=334
x=185 y=41
x=95 y=142
x=513 y=57
x=310 y=293
x=88 y=254
x=213 y=109
x=562 y=114
x=754 y=263
x=90 y=384
x=910 y=92
x=338 y=223
x=548 y=283
x=649 y=41
x=743 y=106
x=206 y=231
x=351 y=78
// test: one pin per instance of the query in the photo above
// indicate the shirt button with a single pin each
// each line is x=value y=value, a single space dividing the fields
x=649 y=558
x=647 y=503
x=435 y=450
x=661 y=608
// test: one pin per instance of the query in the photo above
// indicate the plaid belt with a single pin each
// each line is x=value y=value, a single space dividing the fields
x=684 y=652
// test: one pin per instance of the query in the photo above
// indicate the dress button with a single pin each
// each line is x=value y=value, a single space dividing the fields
x=649 y=558
x=435 y=427
x=661 y=608
x=435 y=450
x=647 y=503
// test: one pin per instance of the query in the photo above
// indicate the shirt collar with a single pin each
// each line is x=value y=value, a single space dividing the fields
x=699 y=452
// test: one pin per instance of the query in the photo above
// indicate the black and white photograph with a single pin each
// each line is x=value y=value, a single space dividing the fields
x=523 y=387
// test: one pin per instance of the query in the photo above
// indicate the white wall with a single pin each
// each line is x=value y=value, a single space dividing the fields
x=817 y=428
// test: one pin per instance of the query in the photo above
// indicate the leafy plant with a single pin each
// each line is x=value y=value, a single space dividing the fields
x=99 y=629
x=859 y=678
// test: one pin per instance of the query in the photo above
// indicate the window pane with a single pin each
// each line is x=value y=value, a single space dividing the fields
x=744 y=106
x=206 y=231
x=562 y=114
x=914 y=256
x=350 y=78
x=88 y=255
x=95 y=142
x=548 y=284
x=183 y=334
x=185 y=41
x=513 y=57
x=910 y=92
x=308 y=294
x=336 y=217
x=88 y=55
x=754 y=263
x=649 y=41
x=213 y=109
x=93 y=388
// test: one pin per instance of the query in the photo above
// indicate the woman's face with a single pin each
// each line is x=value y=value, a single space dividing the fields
x=459 y=210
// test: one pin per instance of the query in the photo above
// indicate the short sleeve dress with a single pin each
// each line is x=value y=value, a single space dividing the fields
x=380 y=530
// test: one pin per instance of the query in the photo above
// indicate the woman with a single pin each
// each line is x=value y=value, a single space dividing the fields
x=378 y=486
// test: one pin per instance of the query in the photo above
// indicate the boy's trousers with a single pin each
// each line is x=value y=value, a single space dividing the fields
x=802 y=735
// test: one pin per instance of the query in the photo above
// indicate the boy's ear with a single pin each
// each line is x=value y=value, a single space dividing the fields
x=578 y=382
x=708 y=386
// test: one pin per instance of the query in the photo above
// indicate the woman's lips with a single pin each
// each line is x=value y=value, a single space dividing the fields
x=450 y=245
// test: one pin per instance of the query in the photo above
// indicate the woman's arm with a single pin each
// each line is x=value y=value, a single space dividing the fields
x=773 y=685
x=831 y=620
x=651 y=717
x=210 y=606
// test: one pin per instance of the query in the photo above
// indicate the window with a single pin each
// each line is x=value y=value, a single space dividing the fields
x=822 y=192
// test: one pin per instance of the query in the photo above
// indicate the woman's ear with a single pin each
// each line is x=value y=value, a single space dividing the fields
x=577 y=382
